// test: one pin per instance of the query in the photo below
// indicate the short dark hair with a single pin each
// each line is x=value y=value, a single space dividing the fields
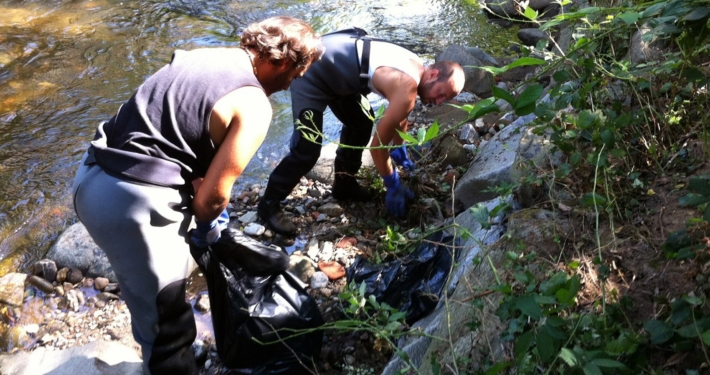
x=284 y=38
x=446 y=69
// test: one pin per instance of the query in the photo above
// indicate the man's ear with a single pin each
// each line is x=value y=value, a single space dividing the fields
x=432 y=74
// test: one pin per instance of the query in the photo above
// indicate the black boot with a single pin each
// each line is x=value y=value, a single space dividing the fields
x=345 y=185
x=276 y=218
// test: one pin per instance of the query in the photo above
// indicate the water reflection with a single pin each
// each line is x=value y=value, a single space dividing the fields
x=66 y=65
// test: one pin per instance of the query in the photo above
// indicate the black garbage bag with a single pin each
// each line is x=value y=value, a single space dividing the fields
x=254 y=299
x=412 y=283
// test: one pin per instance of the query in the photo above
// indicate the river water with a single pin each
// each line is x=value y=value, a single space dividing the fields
x=66 y=65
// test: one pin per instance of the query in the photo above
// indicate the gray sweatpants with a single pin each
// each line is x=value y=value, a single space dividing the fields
x=143 y=230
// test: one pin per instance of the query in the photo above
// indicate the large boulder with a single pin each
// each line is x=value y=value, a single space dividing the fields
x=478 y=81
x=95 y=358
x=76 y=249
x=12 y=288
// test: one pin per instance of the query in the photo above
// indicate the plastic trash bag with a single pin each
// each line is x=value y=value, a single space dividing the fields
x=412 y=283
x=253 y=297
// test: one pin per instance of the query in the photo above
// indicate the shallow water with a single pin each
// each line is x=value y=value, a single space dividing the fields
x=66 y=65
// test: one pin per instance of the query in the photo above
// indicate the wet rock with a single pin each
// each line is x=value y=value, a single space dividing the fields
x=74 y=276
x=46 y=268
x=105 y=296
x=87 y=282
x=62 y=275
x=76 y=249
x=41 y=284
x=100 y=283
x=12 y=288
x=73 y=300
x=112 y=288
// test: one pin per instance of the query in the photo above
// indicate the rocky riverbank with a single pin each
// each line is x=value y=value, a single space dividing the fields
x=61 y=309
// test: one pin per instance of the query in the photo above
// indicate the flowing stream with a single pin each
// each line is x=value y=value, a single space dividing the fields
x=66 y=65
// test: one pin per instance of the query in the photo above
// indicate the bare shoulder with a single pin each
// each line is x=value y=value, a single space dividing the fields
x=390 y=81
x=247 y=104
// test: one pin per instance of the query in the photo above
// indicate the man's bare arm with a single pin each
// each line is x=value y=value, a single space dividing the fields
x=400 y=90
x=242 y=117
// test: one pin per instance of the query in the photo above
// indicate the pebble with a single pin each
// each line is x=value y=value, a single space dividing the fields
x=319 y=280
x=100 y=283
x=254 y=229
x=41 y=284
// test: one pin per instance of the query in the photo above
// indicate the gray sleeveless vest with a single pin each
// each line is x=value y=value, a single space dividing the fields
x=161 y=135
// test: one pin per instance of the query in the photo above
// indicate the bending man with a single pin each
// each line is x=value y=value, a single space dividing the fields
x=352 y=67
x=174 y=151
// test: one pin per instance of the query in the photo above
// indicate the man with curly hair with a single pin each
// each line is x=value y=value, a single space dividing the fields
x=174 y=151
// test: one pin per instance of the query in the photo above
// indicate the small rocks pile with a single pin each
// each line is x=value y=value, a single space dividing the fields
x=60 y=308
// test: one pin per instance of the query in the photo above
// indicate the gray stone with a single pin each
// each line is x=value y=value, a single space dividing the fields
x=254 y=229
x=495 y=161
x=530 y=37
x=96 y=358
x=75 y=248
x=642 y=50
x=321 y=218
x=468 y=133
x=248 y=217
x=482 y=55
x=331 y=209
x=502 y=8
x=319 y=280
x=478 y=81
x=452 y=152
x=12 y=288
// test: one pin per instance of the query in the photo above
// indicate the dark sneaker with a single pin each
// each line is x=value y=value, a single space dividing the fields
x=347 y=189
x=276 y=218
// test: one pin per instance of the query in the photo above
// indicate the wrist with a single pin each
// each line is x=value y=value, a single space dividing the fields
x=205 y=226
x=391 y=181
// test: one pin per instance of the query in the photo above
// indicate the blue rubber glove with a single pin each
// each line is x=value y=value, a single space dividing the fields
x=223 y=220
x=205 y=233
x=397 y=195
x=401 y=158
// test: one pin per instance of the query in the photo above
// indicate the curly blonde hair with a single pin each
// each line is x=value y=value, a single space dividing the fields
x=283 y=38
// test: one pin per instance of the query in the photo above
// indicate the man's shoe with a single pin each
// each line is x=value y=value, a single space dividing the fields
x=346 y=188
x=276 y=218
